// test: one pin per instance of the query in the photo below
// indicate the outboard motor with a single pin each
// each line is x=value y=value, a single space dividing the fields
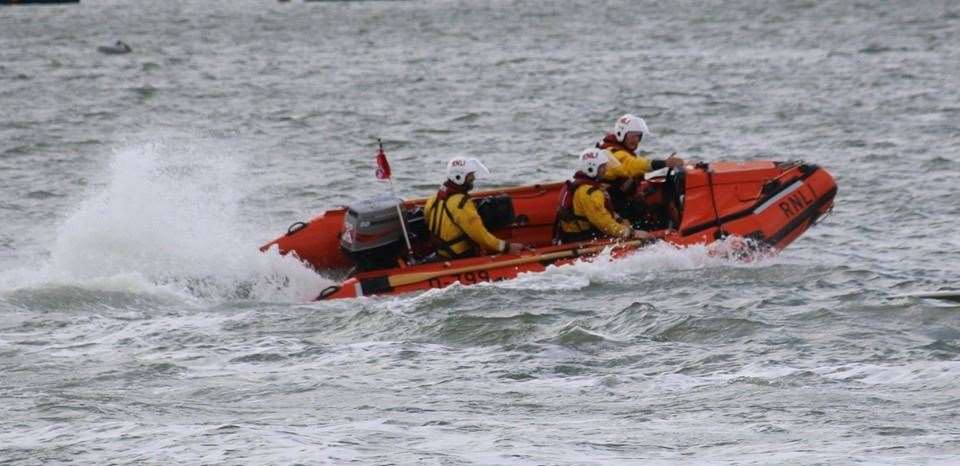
x=372 y=236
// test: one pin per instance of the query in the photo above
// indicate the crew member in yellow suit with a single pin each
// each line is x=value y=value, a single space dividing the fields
x=585 y=210
x=623 y=142
x=452 y=217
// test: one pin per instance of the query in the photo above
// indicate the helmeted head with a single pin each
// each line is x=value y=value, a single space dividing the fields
x=630 y=123
x=460 y=169
x=595 y=162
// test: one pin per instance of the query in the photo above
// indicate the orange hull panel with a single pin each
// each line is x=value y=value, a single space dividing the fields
x=769 y=203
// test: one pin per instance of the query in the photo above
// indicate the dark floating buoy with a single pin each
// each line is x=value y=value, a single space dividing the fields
x=116 y=49
x=40 y=2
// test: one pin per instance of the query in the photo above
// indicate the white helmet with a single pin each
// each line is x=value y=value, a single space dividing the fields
x=460 y=167
x=628 y=123
x=592 y=159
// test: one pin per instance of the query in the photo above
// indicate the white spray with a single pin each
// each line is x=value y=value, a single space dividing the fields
x=168 y=219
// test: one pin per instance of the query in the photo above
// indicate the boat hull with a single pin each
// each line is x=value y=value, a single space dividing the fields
x=768 y=203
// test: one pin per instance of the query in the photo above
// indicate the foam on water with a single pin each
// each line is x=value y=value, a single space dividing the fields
x=641 y=265
x=940 y=375
x=168 y=220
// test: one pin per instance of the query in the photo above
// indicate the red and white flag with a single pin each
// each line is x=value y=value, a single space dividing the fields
x=383 y=167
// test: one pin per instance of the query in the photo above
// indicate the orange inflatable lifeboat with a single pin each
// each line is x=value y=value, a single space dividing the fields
x=769 y=204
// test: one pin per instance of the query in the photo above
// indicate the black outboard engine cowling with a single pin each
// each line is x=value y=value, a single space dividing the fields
x=372 y=236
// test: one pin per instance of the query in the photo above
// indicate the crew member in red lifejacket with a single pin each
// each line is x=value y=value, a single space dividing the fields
x=585 y=210
x=452 y=217
x=623 y=142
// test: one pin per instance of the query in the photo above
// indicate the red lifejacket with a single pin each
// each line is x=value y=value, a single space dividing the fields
x=565 y=212
x=611 y=144
x=435 y=221
x=450 y=188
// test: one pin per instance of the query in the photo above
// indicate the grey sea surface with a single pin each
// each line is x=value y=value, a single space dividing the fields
x=139 y=323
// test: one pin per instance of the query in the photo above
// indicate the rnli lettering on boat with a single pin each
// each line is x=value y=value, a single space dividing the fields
x=794 y=204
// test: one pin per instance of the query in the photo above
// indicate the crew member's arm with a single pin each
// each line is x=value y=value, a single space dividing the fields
x=472 y=225
x=630 y=166
x=594 y=207
x=672 y=161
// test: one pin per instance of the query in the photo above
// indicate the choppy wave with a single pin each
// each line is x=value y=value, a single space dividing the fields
x=146 y=327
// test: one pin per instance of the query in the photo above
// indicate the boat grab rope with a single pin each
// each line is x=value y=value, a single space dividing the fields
x=297 y=226
x=713 y=200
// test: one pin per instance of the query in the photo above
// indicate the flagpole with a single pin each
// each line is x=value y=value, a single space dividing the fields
x=403 y=221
